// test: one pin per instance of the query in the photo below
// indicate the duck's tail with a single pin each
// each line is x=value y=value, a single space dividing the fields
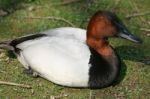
x=11 y=44
x=6 y=45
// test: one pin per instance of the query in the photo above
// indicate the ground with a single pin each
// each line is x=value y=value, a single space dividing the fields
x=135 y=58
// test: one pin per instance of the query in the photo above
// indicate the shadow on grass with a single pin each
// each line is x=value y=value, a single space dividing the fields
x=131 y=53
x=11 y=54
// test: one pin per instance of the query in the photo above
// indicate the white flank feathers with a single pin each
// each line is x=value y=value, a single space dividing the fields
x=61 y=57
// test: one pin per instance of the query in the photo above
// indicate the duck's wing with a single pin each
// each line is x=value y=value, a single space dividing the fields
x=74 y=33
x=63 y=32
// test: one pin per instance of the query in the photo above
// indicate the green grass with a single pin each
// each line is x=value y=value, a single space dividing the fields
x=136 y=82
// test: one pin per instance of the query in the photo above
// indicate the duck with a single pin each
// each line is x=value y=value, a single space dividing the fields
x=74 y=57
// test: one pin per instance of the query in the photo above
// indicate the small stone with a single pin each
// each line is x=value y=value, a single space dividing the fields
x=3 y=13
x=2 y=55
x=32 y=91
x=148 y=34
x=31 y=8
x=7 y=59
x=52 y=97
x=15 y=89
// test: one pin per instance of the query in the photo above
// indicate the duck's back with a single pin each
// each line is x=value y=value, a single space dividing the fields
x=70 y=32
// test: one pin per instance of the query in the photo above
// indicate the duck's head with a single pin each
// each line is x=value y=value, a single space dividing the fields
x=104 y=24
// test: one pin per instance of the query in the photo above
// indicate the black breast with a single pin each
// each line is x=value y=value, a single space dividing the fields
x=102 y=73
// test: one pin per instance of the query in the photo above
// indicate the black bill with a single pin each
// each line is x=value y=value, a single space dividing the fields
x=125 y=33
x=129 y=36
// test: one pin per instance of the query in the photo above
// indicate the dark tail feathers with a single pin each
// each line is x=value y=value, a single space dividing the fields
x=6 y=45
x=11 y=44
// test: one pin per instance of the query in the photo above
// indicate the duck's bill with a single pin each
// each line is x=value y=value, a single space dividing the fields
x=125 y=33
x=130 y=37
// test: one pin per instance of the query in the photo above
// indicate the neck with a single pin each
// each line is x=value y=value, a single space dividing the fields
x=105 y=65
x=101 y=46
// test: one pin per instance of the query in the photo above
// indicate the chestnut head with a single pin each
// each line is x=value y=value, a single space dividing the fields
x=104 y=24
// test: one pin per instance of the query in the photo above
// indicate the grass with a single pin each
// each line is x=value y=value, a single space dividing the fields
x=136 y=82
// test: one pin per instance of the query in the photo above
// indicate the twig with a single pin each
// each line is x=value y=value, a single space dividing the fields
x=133 y=4
x=59 y=96
x=145 y=29
x=67 y=2
x=137 y=14
x=14 y=84
x=91 y=95
x=137 y=10
x=49 y=18
x=145 y=61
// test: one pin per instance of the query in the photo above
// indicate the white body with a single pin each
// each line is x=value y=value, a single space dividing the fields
x=61 y=57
